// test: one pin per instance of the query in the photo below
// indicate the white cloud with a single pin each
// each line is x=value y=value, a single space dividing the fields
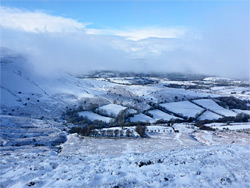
x=143 y=33
x=42 y=22
x=37 y=21
x=135 y=42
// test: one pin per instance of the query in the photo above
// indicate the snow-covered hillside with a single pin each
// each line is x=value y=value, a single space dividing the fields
x=25 y=93
x=38 y=149
x=183 y=108
x=22 y=131
x=211 y=105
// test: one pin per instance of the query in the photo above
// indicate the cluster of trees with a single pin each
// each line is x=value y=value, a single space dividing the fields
x=92 y=131
x=83 y=131
x=86 y=127
x=71 y=116
x=120 y=120
x=239 y=118
x=201 y=125
x=141 y=130
x=233 y=103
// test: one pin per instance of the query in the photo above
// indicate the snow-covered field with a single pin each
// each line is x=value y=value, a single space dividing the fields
x=158 y=114
x=141 y=118
x=184 y=108
x=242 y=92
x=213 y=106
x=111 y=109
x=93 y=116
x=231 y=126
x=209 y=116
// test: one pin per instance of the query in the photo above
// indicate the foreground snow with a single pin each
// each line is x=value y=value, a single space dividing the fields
x=213 y=166
x=188 y=158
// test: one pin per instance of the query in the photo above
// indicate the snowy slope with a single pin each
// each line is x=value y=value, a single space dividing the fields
x=26 y=93
x=159 y=93
x=111 y=109
x=93 y=116
x=184 y=108
x=141 y=118
x=211 y=105
x=158 y=114
x=209 y=116
x=21 y=131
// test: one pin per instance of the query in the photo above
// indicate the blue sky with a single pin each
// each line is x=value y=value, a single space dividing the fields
x=135 y=14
